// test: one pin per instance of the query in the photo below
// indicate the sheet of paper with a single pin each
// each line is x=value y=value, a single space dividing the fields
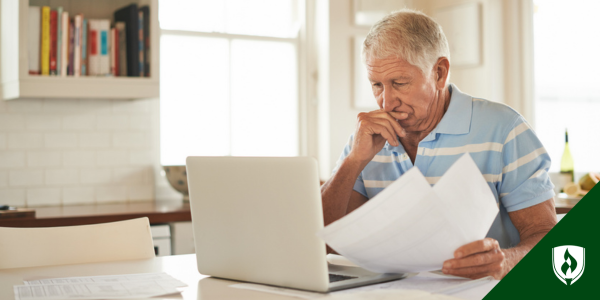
x=99 y=287
x=162 y=277
x=412 y=227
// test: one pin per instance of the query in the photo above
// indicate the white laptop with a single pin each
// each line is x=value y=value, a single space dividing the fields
x=255 y=219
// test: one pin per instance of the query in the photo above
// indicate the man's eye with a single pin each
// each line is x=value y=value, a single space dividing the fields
x=377 y=84
x=399 y=83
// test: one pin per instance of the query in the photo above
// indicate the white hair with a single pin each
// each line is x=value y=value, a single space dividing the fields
x=410 y=35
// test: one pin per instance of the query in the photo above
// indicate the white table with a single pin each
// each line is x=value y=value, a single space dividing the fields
x=182 y=267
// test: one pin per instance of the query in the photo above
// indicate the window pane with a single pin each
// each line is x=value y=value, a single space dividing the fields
x=277 y=18
x=194 y=91
x=566 y=79
x=193 y=15
x=262 y=17
x=264 y=99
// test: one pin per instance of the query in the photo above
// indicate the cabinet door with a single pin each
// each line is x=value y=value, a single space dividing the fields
x=182 y=235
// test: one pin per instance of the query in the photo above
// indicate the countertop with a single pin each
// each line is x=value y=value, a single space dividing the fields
x=157 y=211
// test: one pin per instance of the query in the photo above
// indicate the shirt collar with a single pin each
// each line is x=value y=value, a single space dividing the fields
x=457 y=119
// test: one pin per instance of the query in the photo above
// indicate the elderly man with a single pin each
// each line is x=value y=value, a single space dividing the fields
x=426 y=122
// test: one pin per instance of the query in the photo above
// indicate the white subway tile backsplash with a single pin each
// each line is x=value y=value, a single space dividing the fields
x=26 y=177
x=78 y=195
x=79 y=158
x=12 y=159
x=140 y=122
x=95 y=176
x=62 y=176
x=24 y=140
x=43 y=197
x=141 y=157
x=79 y=122
x=111 y=194
x=11 y=122
x=130 y=140
x=95 y=106
x=43 y=158
x=13 y=197
x=25 y=105
x=129 y=175
x=112 y=122
x=60 y=140
x=71 y=151
x=94 y=140
x=3 y=180
x=112 y=158
x=42 y=122
x=141 y=192
x=61 y=105
x=130 y=106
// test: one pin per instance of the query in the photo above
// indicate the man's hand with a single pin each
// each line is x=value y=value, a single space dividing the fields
x=477 y=259
x=373 y=129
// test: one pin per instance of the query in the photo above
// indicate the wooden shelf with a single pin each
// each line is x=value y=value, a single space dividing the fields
x=16 y=82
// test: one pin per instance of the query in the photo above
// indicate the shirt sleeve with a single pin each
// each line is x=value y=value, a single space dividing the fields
x=525 y=180
x=359 y=185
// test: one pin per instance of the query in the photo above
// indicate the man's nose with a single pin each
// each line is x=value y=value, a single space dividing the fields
x=389 y=101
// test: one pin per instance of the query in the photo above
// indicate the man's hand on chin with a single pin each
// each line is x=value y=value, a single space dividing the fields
x=476 y=260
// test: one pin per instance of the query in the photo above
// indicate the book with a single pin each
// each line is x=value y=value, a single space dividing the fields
x=141 y=42
x=78 y=21
x=146 y=24
x=120 y=26
x=53 y=38
x=71 y=48
x=98 y=60
x=84 y=47
x=59 y=12
x=45 y=48
x=129 y=15
x=114 y=52
x=33 y=39
x=64 y=60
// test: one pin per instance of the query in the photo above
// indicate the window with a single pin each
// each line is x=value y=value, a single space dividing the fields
x=566 y=79
x=229 y=78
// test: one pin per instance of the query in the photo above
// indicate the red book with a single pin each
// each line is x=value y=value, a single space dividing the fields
x=53 y=36
x=115 y=43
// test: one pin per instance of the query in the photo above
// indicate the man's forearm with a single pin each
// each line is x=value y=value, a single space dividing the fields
x=337 y=190
x=514 y=255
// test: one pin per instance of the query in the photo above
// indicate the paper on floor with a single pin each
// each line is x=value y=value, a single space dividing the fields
x=99 y=287
x=412 y=227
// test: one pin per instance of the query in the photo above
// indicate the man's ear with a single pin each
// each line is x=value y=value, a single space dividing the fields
x=441 y=69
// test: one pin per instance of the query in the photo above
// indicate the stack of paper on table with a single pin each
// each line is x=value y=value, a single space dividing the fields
x=412 y=227
x=99 y=287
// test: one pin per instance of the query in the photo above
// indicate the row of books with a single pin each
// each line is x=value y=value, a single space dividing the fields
x=62 y=46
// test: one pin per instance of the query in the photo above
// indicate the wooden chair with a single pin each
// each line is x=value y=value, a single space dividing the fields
x=29 y=247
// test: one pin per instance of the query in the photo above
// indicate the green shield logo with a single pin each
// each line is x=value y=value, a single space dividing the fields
x=568 y=263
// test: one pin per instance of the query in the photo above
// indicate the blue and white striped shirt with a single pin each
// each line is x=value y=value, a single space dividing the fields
x=500 y=141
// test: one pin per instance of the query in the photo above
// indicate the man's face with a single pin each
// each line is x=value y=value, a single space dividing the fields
x=401 y=87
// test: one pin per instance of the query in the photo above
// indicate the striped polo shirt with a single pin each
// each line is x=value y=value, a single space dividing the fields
x=507 y=151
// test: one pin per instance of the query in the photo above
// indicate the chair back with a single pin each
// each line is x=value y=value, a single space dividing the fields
x=34 y=247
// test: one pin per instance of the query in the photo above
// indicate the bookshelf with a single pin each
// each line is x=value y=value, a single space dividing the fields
x=17 y=83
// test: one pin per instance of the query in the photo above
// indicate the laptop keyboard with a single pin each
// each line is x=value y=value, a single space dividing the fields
x=337 y=277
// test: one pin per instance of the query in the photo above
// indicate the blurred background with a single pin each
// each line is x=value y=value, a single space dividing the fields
x=282 y=78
